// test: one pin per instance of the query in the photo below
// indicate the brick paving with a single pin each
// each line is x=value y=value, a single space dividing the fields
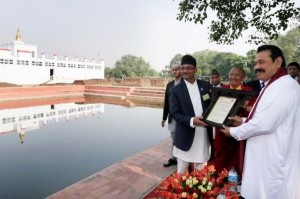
x=132 y=177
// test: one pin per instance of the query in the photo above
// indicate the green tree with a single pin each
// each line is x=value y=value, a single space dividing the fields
x=250 y=63
x=223 y=62
x=290 y=45
x=205 y=61
x=264 y=17
x=177 y=57
x=132 y=66
x=107 y=72
x=166 y=72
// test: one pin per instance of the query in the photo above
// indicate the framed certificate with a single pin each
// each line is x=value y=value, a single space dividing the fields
x=225 y=103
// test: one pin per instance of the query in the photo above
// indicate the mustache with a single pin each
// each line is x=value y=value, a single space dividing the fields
x=259 y=71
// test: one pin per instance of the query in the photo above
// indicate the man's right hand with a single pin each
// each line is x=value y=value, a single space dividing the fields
x=197 y=121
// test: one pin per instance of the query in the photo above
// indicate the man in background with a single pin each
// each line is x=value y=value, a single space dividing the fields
x=228 y=151
x=215 y=81
x=215 y=78
x=256 y=85
x=293 y=69
x=167 y=109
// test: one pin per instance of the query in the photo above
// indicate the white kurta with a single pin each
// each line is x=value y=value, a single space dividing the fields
x=272 y=157
x=199 y=151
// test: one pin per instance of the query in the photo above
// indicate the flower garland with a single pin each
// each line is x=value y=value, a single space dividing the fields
x=204 y=184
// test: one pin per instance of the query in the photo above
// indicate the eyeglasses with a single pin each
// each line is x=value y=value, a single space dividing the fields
x=187 y=68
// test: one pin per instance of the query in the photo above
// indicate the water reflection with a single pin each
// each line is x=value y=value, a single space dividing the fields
x=66 y=142
x=22 y=120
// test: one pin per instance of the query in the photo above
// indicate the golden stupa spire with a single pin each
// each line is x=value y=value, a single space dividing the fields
x=18 y=35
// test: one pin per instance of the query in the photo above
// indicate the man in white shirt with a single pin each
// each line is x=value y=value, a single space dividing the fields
x=272 y=157
x=189 y=99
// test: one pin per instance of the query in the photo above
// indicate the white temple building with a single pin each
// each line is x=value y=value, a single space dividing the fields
x=20 y=64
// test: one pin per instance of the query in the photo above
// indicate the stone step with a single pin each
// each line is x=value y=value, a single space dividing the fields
x=109 y=100
x=149 y=89
x=107 y=92
x=146 y=94
x=109 y=88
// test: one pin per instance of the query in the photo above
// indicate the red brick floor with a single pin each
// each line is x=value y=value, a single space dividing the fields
x=132 y=177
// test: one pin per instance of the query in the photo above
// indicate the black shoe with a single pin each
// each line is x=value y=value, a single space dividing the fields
x=170 y=163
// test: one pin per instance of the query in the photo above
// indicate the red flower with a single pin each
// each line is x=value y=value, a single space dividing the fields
x=206 y=184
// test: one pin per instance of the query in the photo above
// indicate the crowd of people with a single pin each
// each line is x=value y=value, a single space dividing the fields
x=263 y=141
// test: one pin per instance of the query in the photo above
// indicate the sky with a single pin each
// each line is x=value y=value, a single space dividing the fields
x=108 y=29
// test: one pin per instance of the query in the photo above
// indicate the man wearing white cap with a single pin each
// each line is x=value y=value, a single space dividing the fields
x=167 y=109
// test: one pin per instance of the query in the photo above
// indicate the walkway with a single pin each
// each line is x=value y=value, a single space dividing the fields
x=131 y=178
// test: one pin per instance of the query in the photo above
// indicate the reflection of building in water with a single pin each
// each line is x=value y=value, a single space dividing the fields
x=22 y=120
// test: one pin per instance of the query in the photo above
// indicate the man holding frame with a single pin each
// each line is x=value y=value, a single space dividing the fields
x=272 y=157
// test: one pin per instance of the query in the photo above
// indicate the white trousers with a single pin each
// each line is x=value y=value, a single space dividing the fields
x=182 y=166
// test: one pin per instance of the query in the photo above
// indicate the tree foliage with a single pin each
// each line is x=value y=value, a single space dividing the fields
x=131 y=66
x=250 y=63
x=167 y=71
x=290 y=45
x=177 y=57
x=265 y=18
x=221 y=61
x=205 y=61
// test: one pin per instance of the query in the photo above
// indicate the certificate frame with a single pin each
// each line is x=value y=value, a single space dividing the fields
x=225 y=103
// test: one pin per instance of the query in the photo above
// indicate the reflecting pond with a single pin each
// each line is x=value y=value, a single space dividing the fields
x=46 y=148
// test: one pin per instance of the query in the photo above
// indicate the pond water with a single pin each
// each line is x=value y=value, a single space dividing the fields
x=44 y=149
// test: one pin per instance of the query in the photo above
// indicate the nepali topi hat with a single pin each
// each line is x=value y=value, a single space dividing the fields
x=188 y=59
